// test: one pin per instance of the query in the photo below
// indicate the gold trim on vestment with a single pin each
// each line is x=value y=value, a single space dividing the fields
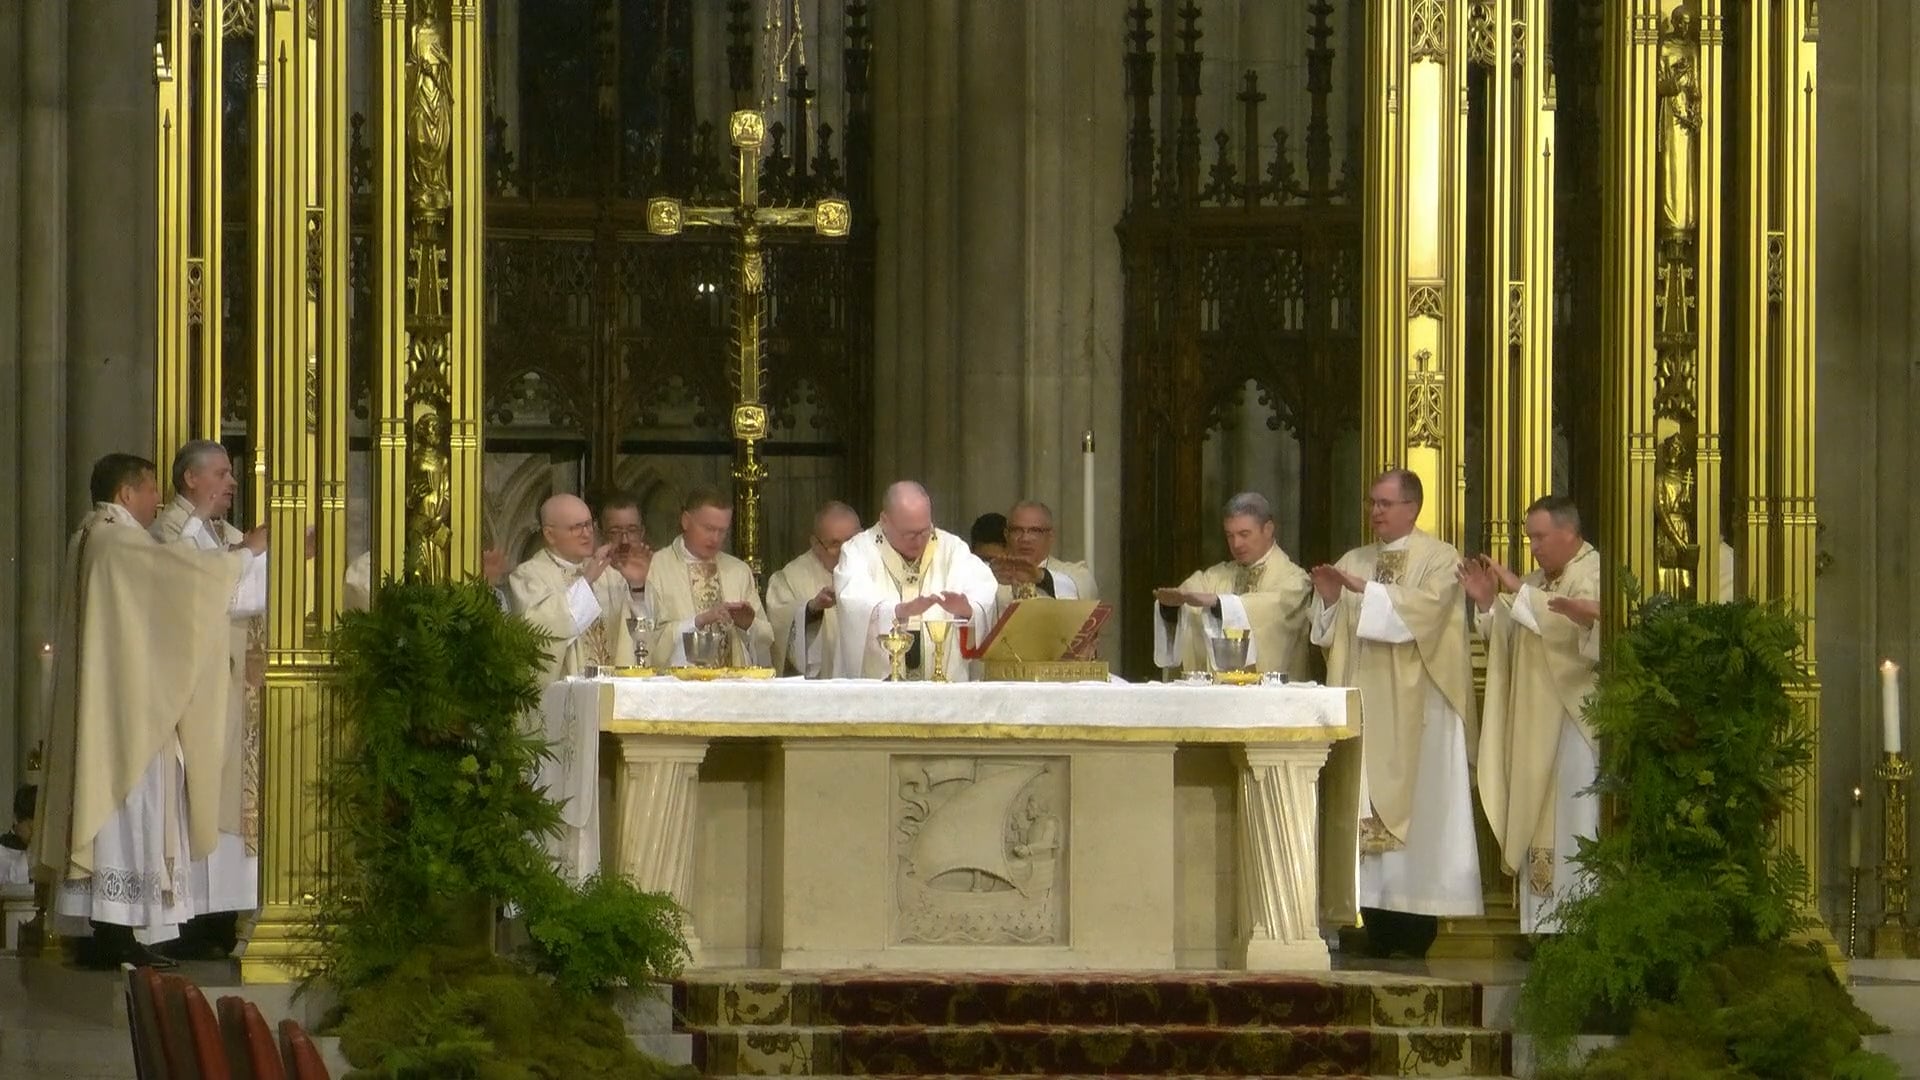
x=774 y=729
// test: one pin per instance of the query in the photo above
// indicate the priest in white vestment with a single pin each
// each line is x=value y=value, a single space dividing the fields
x=694 y=585
x=1028 y=569
x=903 y=571
x=572 y=592
x=196 y=515
x=1538 y=756
x=800 y=598
x=623 y=528
x=1259 y=592
x=137 y=739
x=1393 y=620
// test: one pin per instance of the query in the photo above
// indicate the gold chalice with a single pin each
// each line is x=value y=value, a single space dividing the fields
x=897 y=641
x=937 y=631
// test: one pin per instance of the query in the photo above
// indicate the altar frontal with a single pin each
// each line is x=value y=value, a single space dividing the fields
x=969 y=826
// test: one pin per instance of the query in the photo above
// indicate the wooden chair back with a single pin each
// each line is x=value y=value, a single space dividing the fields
x=302 y=1058
x=249 y=1041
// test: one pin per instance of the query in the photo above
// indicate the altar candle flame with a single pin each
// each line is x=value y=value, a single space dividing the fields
x=1853 y=833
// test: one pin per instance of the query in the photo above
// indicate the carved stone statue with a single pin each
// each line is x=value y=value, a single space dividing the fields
x=429 y=119
x=1679 y=131
x=1675 y=552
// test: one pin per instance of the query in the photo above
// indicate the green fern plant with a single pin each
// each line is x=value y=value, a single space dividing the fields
x=1703 y=743
x=434 y=824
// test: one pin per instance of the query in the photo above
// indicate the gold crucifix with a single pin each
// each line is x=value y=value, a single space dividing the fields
x=829 y=217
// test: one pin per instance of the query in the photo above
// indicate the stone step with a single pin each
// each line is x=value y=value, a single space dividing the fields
x=1208 y=999
x=1053 y=1050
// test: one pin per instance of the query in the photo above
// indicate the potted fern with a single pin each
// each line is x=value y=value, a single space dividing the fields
x=435 y=826
x=1683 y=936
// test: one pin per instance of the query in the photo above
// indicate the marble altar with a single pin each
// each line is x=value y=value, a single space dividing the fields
x=976 y=826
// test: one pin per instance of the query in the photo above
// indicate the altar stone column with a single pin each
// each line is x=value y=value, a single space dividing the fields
x=656 y=800
x=110 y=222
x=1280 y=850
x=998 y=286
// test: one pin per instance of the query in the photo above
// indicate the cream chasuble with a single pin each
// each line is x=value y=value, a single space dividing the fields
x=1071 y=581
x=872 y=578
x=802 y=646
x=1537 y=756
x=137 y=737
x=1404 y=643
x=229 y=879
x=588 y=622
x=680 y=587
x=1270 y=598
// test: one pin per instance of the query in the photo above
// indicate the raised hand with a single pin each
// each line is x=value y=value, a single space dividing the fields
x=493 y=565
x=1478 y=582
x=1327 y=583
x=633 y=561
x=1015 y=571
x=596 y=564
x=1583 y=612
x=256 y=540
x=908 y=609
x=822 y=600
x=1203 y=600
x=956 y=604
x=1500 y=572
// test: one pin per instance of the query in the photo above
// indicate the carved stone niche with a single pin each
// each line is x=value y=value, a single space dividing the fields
x=980 y=848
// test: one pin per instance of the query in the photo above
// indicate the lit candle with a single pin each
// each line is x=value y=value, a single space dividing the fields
x=1853 y=833
x=1890 y=704
x=46 y=676
x=1086 y=496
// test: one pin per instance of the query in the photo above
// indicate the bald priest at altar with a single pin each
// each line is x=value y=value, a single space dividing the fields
x=906 y=570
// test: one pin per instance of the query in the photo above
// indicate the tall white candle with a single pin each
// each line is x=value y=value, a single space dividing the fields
x=46 y=676
x=1086 y=497
x=1890 y=704
x=1853 y=833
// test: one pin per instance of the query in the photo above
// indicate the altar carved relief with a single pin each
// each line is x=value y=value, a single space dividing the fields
x=980 y=850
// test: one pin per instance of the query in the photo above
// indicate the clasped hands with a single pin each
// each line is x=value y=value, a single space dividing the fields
x=955 y=604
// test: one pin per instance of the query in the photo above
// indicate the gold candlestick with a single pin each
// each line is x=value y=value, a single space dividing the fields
x=937 y=630
x=1890 y=938
x=897 y=641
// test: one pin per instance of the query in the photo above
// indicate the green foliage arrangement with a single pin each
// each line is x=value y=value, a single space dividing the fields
x=436 y=824
x=1702 y=745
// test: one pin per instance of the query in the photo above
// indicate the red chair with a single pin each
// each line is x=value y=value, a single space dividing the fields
x=143 y=1021
x=302 y=1060
x=189 y=1033
x=249 y=1041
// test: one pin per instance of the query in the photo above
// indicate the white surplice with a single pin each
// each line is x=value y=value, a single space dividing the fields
x=132 y=884
x=1436 y=870
x=228 y=879
x=872 y=579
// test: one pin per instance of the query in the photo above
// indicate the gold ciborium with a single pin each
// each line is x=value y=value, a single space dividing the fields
x=897 y=641
x=937 y=632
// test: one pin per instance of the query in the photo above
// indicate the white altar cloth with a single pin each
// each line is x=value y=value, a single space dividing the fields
x=840 y=708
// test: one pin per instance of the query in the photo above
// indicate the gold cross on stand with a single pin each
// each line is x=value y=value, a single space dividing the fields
x=828 y=217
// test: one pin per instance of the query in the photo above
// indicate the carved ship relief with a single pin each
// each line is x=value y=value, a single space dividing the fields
x=980 y=848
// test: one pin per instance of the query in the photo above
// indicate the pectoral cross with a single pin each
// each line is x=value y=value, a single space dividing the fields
x=829 y=217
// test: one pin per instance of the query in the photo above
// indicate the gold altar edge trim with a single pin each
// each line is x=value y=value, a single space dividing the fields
x=724 y=729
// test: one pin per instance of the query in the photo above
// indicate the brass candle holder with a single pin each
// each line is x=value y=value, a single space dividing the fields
x=897 y=642
x=937 y=631
x=1891 y=937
